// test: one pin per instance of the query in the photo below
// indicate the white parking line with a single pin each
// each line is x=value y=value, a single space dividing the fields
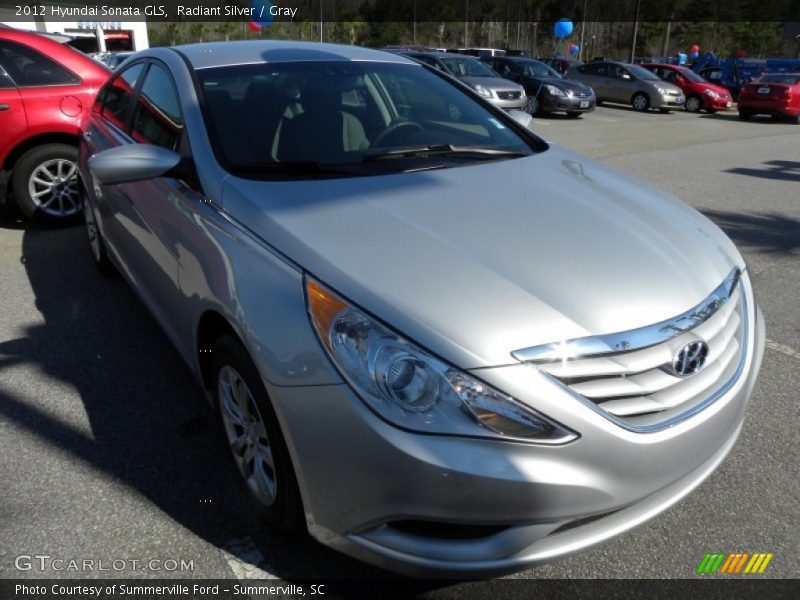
x=783 y=349
x=245 y=560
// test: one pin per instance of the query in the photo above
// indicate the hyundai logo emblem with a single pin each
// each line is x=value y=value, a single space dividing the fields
x=690 y=359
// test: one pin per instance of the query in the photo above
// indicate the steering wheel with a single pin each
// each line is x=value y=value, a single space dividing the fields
x=392 y=129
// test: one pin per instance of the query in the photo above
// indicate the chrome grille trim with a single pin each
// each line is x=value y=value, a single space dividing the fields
x=634 y=339
x=508 y=95
x=632 y=389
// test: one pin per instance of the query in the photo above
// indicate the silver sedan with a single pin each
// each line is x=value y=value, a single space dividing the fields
x=434 y=341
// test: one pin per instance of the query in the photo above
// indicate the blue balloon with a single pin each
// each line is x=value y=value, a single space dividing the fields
x=261 y=14
x=694 y=55
x=563 y=28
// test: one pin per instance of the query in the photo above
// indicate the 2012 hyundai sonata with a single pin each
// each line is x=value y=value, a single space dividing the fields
x=435 y=341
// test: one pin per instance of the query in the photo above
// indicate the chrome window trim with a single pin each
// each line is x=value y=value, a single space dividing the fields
x=634 y=339
x=697 y=408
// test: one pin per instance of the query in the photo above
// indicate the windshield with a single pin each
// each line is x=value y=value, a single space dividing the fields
x=691 y=75
x=467 y=67
x=539 y=70
x=642 y=73
x=789 y=78
x=347 y=114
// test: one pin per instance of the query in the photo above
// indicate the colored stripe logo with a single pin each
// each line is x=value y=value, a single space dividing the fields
x=734 y=563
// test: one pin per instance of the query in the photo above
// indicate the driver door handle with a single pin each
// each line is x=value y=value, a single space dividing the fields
x=5 y=106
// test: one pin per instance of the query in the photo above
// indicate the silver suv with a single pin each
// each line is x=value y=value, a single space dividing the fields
x=628 y=84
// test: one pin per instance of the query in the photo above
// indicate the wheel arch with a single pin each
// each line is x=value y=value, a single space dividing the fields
x=211 y=325
x=23 y=146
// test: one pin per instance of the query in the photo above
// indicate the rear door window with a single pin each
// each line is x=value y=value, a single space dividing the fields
x=29 y=68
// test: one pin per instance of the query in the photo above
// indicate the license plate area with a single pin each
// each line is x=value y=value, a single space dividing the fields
x=763 y=90
x=584 y=104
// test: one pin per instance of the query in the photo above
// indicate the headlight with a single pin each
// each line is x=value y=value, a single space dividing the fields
x=711 y=93
x=661 y=91
x=410 y=388
x=554 y=91
x=483 y=91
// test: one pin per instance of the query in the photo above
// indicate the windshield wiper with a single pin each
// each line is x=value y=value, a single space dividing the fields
x=475 y=152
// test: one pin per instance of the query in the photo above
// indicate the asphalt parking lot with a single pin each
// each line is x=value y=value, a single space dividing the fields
x=111 y=453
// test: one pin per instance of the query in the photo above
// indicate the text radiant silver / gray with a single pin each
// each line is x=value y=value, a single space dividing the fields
x=440 y=344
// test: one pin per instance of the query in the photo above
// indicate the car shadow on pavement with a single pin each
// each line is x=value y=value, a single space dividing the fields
x=149 y=426
x=773 y=233
x=783 y=170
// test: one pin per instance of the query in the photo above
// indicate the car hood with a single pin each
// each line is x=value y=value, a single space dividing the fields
x=492 y=83
x=477 y=261
x=716 y=88
x=562 y=84
x=670 y=87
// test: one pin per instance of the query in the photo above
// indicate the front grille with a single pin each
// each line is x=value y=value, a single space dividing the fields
x=579 y=94
x=509 y=95
x=638 y=388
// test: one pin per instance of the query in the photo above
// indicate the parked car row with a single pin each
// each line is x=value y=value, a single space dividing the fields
x=47 y=87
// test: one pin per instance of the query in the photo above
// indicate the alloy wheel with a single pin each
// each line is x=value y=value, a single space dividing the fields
x=693 y=104
x=247 y=435
x=53 y=187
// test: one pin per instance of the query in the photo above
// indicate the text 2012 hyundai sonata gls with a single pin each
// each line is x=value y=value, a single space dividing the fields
x=440 y=344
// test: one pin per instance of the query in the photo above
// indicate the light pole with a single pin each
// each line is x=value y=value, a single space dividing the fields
x=583 y=29
x=635 y=30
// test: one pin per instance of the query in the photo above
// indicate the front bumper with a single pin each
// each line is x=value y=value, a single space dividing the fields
x=668 y=101
x=514 y=104
x=717 y=104
x=573 y=104
x=494 y=507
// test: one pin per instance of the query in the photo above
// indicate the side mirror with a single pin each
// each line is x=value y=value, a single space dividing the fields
x=520 y=117
x=134 y=162
x=680 y=80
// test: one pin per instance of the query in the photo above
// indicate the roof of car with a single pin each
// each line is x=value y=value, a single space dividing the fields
x=218 y=54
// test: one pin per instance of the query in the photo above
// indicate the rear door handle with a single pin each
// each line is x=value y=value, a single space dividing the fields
x=5 y=106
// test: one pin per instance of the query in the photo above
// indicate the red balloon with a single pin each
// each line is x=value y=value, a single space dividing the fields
x=741 y=53
x=253 y=26
x=694 y=48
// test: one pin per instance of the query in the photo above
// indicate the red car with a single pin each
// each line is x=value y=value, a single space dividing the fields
x=700 y=94
x=776 y=94
x=45 y=89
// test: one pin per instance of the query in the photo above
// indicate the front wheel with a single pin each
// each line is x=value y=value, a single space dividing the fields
x=97 y=246
x=254 y=437
x=45 y=184
x=640 y=102
x=693 y=104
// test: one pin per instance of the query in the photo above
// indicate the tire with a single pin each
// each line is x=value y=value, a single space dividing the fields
x=745 y=115
x=573 y=115
x=97 y=246
x=45 y=184
x=693 y=104
x=254 y=438
x=795 y=120
x=640 y=102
